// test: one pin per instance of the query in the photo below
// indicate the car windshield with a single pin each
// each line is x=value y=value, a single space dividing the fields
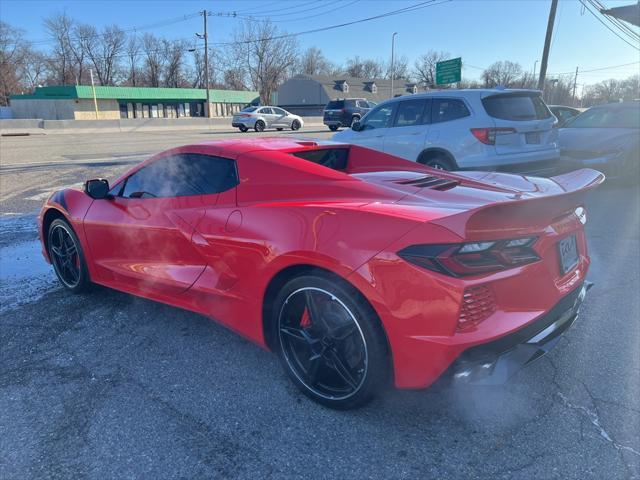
x=516 y=107
x=249 y=109
x=608 y=118
x=335 y=105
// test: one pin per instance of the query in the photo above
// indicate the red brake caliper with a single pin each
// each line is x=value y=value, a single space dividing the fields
x=305 y=320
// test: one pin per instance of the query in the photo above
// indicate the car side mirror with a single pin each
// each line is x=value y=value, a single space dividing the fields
x=97 y=188
x=356 y=126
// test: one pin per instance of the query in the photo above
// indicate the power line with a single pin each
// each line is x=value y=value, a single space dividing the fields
x=297 y=12
x=339 y=7
x=418 y=6
x=597 y=17
x=614 y=21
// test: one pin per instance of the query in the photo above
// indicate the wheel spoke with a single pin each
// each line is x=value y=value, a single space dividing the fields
x=299 y=334
x=314 y=311
x=342 y=369
x=314 y=365
x=57 y=251
x=344 y=331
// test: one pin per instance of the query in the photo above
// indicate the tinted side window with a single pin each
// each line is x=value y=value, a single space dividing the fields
x=278 y=111
x=379 y=117
x=335 y=105
x=182 y=175
x=266 y=110
x=410 y=112
x=334 y=158
x=447 y=109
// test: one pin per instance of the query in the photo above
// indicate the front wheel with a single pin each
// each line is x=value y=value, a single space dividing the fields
x=259 y=126
x=67 y=257
x=295 y=125
x=354 y=119
x=329 y=342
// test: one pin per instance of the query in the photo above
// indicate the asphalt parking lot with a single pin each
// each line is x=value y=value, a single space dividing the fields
x=104 y=385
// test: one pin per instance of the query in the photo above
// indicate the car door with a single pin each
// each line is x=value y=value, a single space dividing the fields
x=141 y=238
x=267 y=114
x=374 y=126
x=408 y=135
x=449 y=125
x=280 y=118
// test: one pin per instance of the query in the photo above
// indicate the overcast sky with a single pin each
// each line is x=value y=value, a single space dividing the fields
x=479 y=31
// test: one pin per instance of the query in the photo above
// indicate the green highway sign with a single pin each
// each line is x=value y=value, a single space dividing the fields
x=449 y=71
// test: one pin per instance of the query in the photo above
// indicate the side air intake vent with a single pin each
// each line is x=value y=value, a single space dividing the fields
x=432 y=182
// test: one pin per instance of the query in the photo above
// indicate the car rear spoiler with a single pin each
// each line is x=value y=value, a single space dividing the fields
x=526 y=213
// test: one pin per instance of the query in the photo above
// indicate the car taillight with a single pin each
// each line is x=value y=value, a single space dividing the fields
x=474 y=258
x=244 y=115
x=488 y=135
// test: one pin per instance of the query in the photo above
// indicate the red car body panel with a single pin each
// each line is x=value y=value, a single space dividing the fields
x=217 y=254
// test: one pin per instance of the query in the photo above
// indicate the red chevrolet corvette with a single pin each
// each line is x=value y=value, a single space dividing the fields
x=351 y=264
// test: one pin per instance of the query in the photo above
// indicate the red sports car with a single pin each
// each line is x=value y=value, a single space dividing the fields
x=351 y=264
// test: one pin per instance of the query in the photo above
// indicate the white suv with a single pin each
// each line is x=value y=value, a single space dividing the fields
x=476 y=129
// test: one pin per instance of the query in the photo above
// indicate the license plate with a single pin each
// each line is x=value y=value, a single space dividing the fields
x=532 y=137
x=568 y=248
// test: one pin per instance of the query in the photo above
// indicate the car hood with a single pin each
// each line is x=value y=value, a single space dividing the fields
x=587 y=142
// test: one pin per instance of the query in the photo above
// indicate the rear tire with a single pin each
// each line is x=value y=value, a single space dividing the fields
x=329 y=341
x=439 y=162
x=354 y=119
x=243 y=129
x=259 y=126
x=67 y=256
x=333 y=128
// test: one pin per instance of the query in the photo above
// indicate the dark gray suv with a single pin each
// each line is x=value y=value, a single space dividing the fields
x=342 y=113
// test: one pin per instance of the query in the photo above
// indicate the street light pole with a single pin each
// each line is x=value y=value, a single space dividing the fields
x=393 y=67
x=535 y=64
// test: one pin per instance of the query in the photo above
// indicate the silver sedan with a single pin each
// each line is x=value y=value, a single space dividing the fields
x=260 y=118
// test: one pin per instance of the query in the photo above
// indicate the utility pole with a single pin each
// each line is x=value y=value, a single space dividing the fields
x=547 y=44
x=207 y=108
x=93 y=88
x=393 y=66
x=575 y=84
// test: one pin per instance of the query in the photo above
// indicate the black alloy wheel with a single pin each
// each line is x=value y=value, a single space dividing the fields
x=66 y=256
x=328 y=342
x=439 y=163
x=259 y=126
x=295 y=125
x=243 y=129
x=354 y=119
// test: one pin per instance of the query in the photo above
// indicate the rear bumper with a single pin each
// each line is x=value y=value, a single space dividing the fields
x=333 y=123
x=495 y=362
x=243 y=123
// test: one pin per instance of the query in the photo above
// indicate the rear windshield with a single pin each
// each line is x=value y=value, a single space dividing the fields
x=607 y=118
x=249 y=109
x=334 y=158
x=516 y=107
x=335 y=105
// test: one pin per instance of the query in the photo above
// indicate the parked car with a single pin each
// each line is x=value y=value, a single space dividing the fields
x=354 y=266
x=490 y=129
x=260 y=118
x=342 y=113
x=606 y=137
x=563 y=113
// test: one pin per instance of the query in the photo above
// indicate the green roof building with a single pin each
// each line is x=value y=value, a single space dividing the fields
x=78 y=102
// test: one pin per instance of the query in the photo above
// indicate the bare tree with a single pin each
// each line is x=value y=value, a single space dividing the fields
x=174 y=70
x=503 y=73
x=59 y=27
x=400 y=67
x=153 y=51
x=133 y=54
x=612 y=90
x=12 y=54
x=313 y=62
x=265 y=55
x=102 y=49
x=34 y=69
x=364 y=68
x=424 y=68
